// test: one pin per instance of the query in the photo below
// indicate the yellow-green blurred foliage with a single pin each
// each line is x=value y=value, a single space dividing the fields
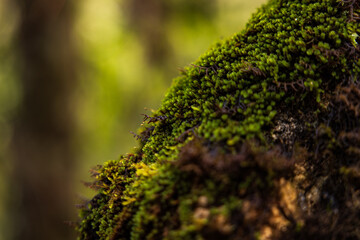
x=9 y=97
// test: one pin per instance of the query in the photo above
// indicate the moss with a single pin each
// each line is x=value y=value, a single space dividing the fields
x=286 y=46
x=258 y=113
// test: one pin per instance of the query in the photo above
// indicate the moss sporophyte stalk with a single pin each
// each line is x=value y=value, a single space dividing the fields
x=248 y=121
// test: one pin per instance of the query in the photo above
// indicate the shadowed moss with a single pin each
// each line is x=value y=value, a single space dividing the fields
x=273 y=109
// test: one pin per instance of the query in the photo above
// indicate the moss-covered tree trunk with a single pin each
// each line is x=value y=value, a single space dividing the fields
x=258 y=139
x=44 y=127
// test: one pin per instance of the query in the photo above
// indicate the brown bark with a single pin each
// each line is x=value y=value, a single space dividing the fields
x=44 y=127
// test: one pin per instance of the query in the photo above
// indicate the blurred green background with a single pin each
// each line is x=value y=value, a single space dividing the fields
x=125 y=54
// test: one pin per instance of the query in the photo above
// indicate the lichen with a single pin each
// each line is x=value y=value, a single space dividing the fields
x=254 y=115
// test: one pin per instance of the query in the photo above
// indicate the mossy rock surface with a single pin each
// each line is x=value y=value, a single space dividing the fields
x=258 y=139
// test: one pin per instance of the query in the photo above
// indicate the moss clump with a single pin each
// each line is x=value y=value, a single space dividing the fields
x=257 y=139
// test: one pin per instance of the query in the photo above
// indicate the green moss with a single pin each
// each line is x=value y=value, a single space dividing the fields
x=302 y=41
x=289 y=53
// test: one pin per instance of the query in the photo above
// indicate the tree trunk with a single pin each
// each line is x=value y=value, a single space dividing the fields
x=44 y=127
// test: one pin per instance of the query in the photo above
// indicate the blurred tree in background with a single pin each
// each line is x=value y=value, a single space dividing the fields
x=64 y=116
x=44 y=126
